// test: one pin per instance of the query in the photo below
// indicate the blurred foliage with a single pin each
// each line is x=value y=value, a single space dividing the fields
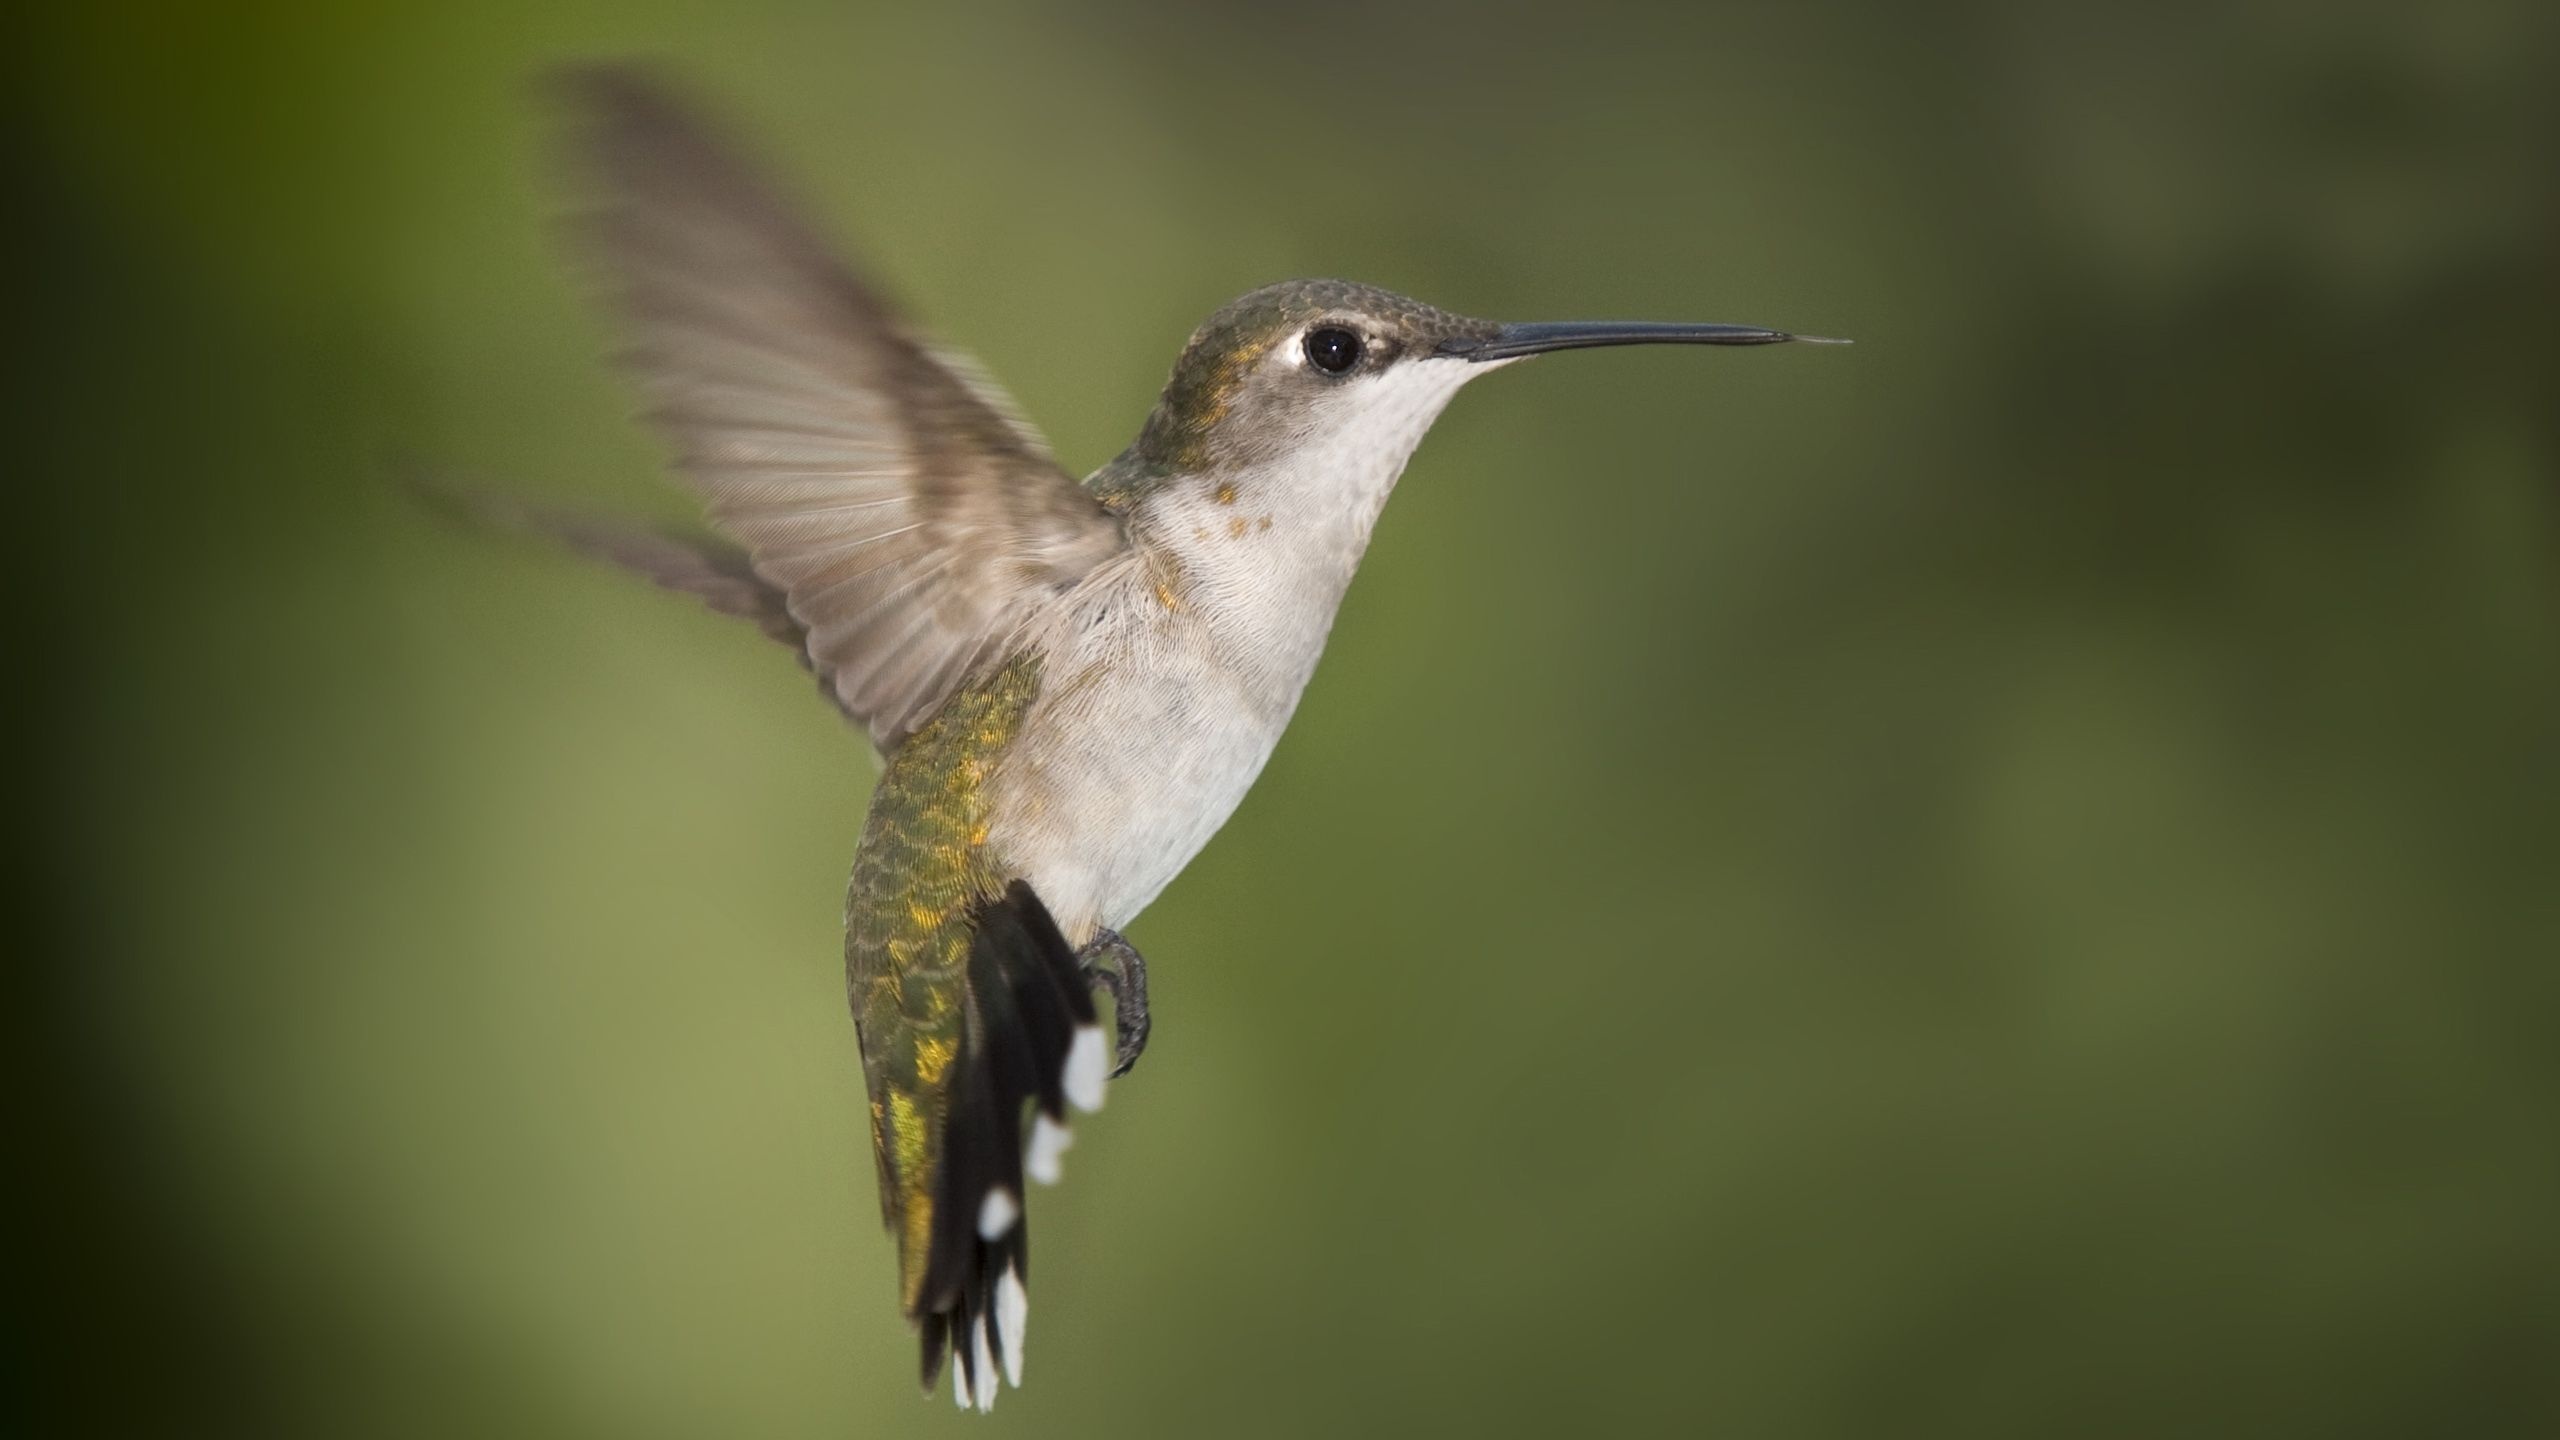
x=1998 y=882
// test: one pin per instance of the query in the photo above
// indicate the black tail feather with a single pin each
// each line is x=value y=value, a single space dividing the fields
x=1027 y=1007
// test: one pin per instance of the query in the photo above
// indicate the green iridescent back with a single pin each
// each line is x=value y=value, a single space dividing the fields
x=921 y=867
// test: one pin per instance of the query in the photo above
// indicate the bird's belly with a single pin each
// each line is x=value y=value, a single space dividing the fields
x=1146 y=736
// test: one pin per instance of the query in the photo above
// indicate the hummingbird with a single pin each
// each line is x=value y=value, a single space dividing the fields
x=1071 y=683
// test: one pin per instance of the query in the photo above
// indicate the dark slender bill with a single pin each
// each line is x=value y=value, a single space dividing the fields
x=1513 y=341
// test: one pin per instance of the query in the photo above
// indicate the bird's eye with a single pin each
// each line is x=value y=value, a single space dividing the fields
x=1332 y=349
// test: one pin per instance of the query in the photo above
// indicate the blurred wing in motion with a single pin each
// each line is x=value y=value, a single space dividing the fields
x=892 y=495
x=712 y=570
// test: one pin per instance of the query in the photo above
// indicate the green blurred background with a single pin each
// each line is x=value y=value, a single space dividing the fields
x=2003 y=881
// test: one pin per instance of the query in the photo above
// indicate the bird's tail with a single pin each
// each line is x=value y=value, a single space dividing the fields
x=952 y=1147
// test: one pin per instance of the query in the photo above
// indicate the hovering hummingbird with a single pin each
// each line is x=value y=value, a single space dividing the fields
x=1072 y=683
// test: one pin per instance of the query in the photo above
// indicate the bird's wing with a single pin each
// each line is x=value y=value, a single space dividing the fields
x=907 y=513
x=706 y=567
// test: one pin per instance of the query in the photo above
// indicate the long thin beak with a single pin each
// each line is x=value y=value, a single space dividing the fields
x=1510 y=342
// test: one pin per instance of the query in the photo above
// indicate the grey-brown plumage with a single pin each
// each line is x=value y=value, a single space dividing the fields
x=885 y=489
x=1073 y=684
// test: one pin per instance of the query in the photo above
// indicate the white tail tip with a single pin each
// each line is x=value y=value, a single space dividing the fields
x=985 y=1369
x=1013 y=1312
x=1049 y=1140
x=997 y=1213
x=1087 y=1065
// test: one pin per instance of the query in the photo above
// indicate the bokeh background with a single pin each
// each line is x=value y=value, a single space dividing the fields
x=2003 y=881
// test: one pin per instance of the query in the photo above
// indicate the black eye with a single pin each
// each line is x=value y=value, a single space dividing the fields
x=1332 y=350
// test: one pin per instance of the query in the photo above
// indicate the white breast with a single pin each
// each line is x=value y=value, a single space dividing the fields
x=1168 y=675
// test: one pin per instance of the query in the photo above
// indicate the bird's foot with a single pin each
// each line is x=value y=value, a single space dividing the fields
x=1114 y=964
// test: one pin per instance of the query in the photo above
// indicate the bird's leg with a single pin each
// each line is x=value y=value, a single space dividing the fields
x=1125 y=976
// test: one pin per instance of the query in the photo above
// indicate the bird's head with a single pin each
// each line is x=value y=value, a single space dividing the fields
x=1335 y=368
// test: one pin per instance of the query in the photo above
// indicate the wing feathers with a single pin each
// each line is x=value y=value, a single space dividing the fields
x=885 y=486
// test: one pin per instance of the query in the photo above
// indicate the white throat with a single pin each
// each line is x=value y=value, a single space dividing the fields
x=1306 y=515
x=1167 y=680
